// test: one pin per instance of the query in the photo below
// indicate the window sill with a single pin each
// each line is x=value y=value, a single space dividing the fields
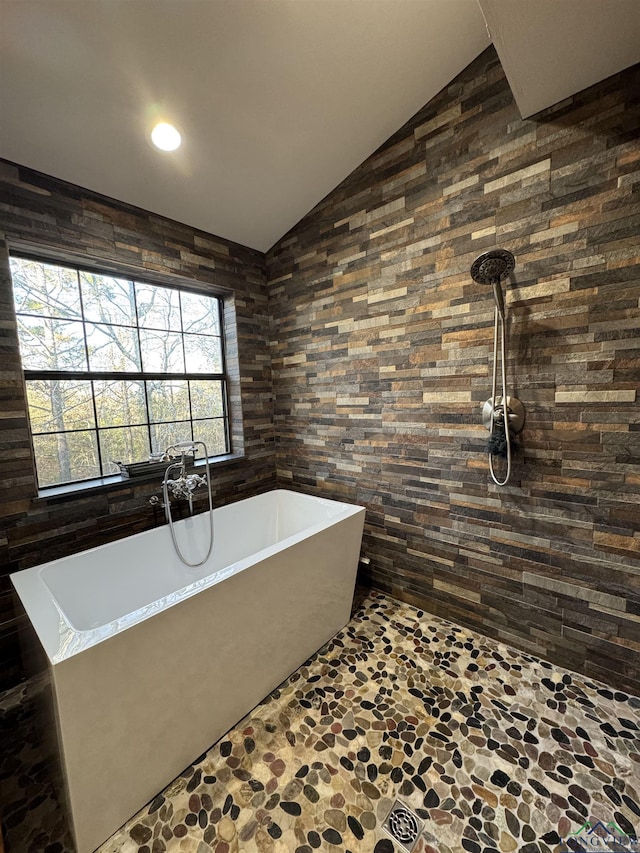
x=104 y=484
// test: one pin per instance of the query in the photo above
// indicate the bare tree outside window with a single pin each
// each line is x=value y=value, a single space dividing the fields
x=115 y=368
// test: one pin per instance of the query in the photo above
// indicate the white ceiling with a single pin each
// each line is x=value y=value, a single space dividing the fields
x=554 y=48
x=279 y=100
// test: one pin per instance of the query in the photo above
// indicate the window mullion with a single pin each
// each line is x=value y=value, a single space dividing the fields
x=144 y=381
x=101 y=374
x=225 y=385
x=93 y=392
x=184 y=361
x=95 y=420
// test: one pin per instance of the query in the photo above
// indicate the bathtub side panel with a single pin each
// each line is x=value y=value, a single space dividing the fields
x=137 y=709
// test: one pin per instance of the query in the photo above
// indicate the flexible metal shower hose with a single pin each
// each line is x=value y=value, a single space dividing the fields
x=499 y=319
x=167 y=507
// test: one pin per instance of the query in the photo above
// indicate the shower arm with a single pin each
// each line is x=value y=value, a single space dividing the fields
x=498 y=296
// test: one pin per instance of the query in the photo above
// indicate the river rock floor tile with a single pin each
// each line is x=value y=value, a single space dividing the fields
x=493 y=749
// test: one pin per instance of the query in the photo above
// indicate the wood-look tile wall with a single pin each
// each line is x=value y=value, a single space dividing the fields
x=50 y=215
x=381 y=352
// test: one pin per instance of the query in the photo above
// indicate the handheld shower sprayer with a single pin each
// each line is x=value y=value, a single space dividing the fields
x=491 y=268
x=184 y=446
x=504 y=416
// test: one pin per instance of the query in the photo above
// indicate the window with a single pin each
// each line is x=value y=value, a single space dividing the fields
x=115 y=368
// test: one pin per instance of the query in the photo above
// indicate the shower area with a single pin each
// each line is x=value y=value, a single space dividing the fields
x=458 y=353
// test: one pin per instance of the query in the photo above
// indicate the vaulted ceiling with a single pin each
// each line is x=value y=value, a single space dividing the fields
x=278 y=100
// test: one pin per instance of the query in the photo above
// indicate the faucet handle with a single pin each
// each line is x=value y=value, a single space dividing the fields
x=196 y=480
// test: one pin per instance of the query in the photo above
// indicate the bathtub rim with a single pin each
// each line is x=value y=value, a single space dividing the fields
x=61 y=640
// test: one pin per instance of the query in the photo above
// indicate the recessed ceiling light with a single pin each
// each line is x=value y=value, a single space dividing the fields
x=166 y=137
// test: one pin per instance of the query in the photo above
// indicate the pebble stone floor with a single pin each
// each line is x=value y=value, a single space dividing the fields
x=493 y=749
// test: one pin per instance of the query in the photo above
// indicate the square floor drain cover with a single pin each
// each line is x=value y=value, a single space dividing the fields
x=403 y=825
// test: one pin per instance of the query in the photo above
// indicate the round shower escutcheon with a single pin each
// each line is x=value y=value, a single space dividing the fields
x=515 y=413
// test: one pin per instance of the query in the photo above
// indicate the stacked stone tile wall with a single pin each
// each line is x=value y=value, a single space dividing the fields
x=49 y=215
x=381 y=353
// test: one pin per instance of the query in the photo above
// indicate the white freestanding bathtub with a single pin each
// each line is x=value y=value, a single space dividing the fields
x=151 y=662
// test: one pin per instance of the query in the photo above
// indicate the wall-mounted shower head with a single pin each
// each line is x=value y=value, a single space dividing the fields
x=490 y=268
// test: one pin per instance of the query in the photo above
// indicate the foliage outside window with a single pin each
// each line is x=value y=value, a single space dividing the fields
x=115 y=369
